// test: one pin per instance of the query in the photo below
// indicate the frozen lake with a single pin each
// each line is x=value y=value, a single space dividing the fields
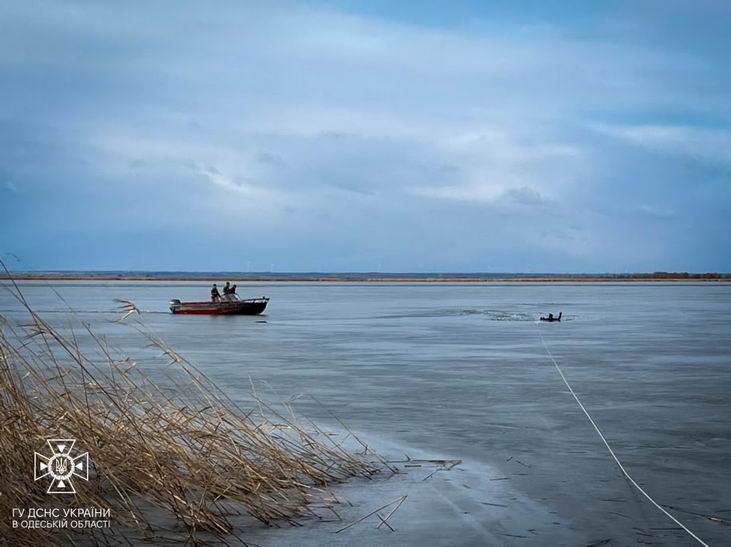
x=459 y=371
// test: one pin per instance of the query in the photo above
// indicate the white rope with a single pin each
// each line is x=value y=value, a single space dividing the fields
x=609 y=448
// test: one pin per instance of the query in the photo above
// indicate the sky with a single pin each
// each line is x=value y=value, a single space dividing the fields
x=545 y=136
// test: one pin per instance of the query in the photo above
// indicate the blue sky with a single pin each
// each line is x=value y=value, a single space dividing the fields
x=363 y=136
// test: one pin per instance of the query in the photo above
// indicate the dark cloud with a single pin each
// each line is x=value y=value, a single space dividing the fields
x=525 y=196
x=271 y=159
x=330 y=140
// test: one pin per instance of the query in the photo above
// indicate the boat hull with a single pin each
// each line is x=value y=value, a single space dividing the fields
x=253 y=306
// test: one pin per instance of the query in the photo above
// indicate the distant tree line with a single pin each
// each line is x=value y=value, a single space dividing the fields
x=671 y=275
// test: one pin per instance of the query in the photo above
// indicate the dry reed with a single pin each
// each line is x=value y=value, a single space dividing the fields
x=173 y=458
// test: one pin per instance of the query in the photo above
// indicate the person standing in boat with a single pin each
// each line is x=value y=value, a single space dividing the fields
x=226 y=289
x=215 y=295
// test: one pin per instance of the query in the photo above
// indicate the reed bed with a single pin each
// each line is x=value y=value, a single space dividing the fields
x=173 y=458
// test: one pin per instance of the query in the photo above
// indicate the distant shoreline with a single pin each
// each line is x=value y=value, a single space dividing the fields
x=370 y=278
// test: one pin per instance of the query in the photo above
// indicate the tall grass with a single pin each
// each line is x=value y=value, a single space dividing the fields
x=172 y=458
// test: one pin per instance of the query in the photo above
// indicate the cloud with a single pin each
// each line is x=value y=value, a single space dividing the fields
x=525 y=196
x=657 y=213
x=236 y=183
x=329 y=139
x=267 y=158
x=699 y=143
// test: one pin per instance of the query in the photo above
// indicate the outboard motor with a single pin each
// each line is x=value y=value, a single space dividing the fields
x=174 y=303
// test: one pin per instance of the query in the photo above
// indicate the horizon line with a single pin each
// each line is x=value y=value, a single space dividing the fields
x=355 y=273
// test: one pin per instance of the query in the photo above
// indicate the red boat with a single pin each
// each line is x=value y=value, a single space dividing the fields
x=226 y=306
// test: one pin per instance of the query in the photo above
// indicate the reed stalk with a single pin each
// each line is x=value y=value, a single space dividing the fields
x=174 y=458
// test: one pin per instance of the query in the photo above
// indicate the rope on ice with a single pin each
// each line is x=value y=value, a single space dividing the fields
x=609 y=448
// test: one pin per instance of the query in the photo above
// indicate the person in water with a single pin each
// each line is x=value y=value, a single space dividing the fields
x=215 y=295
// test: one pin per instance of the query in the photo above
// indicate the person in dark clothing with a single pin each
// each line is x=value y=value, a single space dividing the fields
x=233 y=289
x=551 y=317
x=226 y=289
x=215 y=295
